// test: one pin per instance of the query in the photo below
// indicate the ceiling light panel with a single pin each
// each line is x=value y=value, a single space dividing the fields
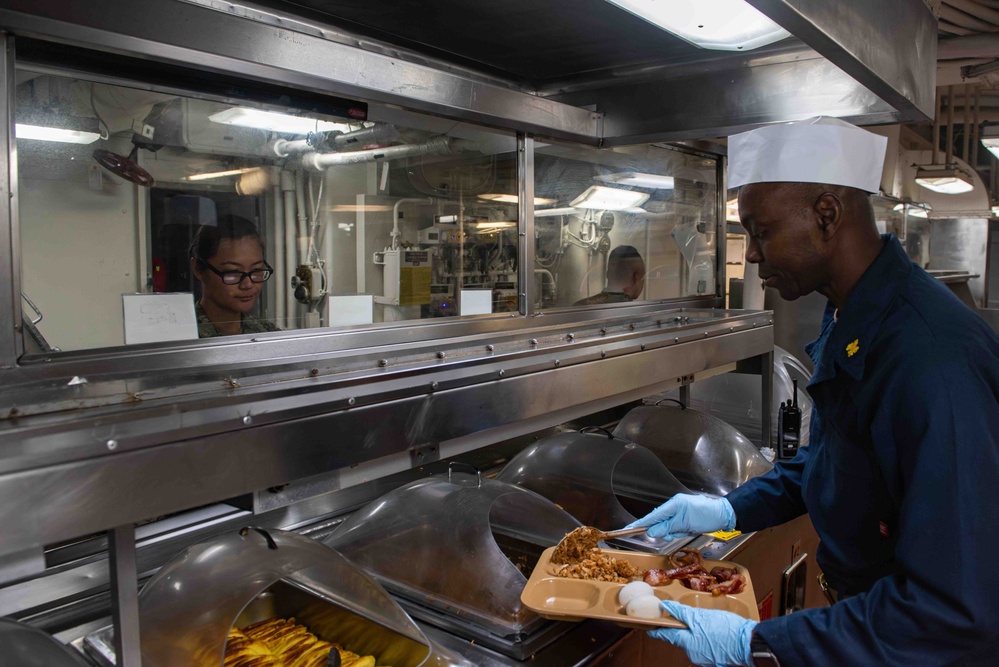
x=275 y=122
x=722 y=25
x=41 y=133
x=638 y=180
x=609 y=199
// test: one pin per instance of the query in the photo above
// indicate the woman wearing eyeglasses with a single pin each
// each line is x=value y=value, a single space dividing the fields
x=228 y=261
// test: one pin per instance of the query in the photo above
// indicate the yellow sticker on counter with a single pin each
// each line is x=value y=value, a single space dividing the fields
x=725 y=535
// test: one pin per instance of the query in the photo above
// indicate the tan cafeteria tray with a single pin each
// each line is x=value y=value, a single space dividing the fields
x=563 y=599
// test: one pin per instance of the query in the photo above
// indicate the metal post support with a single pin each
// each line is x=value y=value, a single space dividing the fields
x=721 y=233
x=767 y=378
x=124 y=596
x=525 y=220
x=10 y=278
x=685 y=395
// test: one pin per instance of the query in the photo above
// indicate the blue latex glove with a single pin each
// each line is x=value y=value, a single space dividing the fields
x=685 y=514
x=713 y=637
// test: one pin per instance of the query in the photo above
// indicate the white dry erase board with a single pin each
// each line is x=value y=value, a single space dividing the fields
x=345 y=311
x=159 y=317
x=476 y=301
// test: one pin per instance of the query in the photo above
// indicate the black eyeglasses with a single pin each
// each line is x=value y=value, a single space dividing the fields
x=236 y=277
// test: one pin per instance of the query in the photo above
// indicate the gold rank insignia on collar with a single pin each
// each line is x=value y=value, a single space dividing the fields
x=853 y=348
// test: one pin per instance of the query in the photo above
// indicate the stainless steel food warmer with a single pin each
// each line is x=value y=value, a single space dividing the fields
x=602 y=480
x=188 y=608
x=702 y=451
x=457 y=550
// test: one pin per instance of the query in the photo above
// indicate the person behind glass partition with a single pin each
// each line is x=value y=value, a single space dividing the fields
x=625 y=278
x=228 y=260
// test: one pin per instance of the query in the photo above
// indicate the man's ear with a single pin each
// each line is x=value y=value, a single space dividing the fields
x=828 y=209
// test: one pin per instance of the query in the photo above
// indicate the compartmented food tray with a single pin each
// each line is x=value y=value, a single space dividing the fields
x=565 y=599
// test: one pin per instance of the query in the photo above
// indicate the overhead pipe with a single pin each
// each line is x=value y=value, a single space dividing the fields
x=937 y=119
x=279 y=288
x=288 y=190
x=969 y=46
x=341 y=141
x=435 y=146
x=950 y=126
x=303 y=217
x=975 y=9
x=967 y=125
x=964 y=20
x=376 y=134
x=976 y=129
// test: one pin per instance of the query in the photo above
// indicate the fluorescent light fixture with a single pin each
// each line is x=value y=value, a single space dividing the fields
x=990 y=138
x=220 y=174
x=914 y=210
x=41 y=133
x=487 y=227
x=637 y=179
x=992 y=143
x=275 y=122
x=551 y=212
x=514 y=199
x=722 y=25
x=948 y=181
x=609 y=199
x=356 y=208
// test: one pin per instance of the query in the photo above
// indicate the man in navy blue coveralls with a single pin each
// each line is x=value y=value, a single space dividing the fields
x=901 y=478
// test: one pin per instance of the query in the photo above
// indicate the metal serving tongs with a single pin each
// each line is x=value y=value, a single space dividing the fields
x=600 y=535
x=623 y=532
x=334 y=659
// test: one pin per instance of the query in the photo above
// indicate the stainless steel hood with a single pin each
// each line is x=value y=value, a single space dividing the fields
x=575 y=69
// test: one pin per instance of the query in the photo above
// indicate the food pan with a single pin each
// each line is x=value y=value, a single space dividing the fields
x=565 y=599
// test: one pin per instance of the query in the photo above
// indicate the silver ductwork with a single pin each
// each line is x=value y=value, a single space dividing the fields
x=435 y=146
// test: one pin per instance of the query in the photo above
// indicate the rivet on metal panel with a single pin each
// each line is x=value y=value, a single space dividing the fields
x=383 y=362
x=643 y=347
x=435 y=386
x=534 y=342
x=705 y=334
x=440 y=355
x=570 y=336
x=631 y=326
x=112 y=445
x=247 y=420
x=557 y=363
x=771 y=321
x=731 y=328
x=603 y=355
x=754 y=324
x=659 y=323
x=603 y=332
x=351 y=401
x=490 y=348
x=502 y=372
x=314 y=372
x=676 y=340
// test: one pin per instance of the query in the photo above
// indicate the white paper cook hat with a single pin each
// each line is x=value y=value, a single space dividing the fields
x=817 y=150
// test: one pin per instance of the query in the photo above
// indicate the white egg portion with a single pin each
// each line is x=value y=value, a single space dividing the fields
x=646 y=606
x=632 y=590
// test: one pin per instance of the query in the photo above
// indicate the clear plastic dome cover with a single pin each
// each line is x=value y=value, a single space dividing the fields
x=604 y=481
x=450 y=542
x=187 y=609
x=703 y=452
x=24 y=646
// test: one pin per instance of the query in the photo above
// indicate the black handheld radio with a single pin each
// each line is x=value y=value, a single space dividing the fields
x=789 y=426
